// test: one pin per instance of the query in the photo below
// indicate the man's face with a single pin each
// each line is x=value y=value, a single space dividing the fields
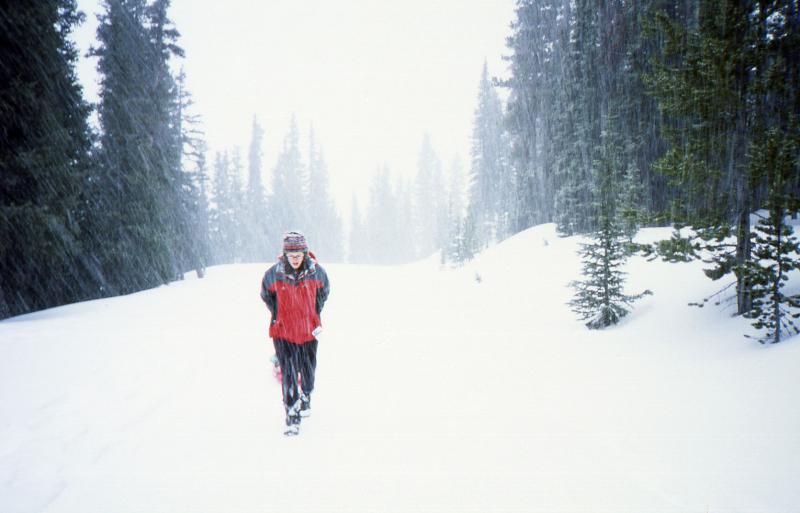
x=295 y=259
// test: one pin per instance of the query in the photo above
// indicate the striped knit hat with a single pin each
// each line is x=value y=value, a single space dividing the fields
x=294 y=241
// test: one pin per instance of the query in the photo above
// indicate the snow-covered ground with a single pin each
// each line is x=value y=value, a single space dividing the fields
x=436 y=392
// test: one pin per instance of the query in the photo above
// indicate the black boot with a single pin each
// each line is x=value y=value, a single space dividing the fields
x=293 y=420
x=305 y=405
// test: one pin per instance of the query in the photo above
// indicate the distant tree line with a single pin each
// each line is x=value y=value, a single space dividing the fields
x=452 y=213
x=407 y=220
x=247 y=219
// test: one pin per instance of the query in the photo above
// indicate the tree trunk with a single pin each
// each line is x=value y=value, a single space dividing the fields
x=744 y=298
x=776 y=293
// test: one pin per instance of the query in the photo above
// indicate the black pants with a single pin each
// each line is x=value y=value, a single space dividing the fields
x=296 y=360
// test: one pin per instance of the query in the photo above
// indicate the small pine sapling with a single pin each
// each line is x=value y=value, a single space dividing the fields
x=599 y=298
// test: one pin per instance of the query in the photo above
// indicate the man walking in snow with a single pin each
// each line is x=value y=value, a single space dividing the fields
x=295 y=290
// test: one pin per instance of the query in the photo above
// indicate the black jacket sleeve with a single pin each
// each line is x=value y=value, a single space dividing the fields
x=322 y=292
x=267 y=295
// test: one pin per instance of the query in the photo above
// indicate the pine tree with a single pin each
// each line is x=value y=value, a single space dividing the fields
x=776 y=249
x=288 y=182
x=628 y=111
x=773 y=164
x=255 y=216
x=600 y=298
x=702 y=83
x=491 y=179
x=324 y=228
x=581 y=123
x=537 y=56
x=237 y=215
x=199 y=210
x=46 y=258
x=222 y=215
x=429 y=203
x=140 y=183
x=168 y=139
x=193 y=221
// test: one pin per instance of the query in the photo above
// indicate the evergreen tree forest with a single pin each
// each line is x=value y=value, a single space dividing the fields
x=611 y=116
x=408 y=220
x=46 y=155
x=700 y=98
x=247 y=218
x=89 y=213
x=135 y=202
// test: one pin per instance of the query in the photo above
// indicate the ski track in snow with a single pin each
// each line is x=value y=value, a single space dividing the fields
x=435 y=393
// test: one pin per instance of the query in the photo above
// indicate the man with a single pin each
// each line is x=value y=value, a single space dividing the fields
x=295 y=290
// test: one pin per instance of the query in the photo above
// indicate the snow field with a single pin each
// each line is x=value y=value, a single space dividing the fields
x=435 y=392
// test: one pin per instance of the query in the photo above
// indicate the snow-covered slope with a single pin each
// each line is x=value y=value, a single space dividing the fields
x=436 y=392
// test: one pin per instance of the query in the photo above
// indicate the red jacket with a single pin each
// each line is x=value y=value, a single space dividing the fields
x=295 y=299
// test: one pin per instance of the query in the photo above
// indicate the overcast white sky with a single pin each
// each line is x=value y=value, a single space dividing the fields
x=371 y=76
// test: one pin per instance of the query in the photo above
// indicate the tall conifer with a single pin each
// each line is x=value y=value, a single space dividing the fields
x=140 y=182
x=324 y=227
x=46 y=258
x=289 y=211
x=491 y=180
x=256 y=217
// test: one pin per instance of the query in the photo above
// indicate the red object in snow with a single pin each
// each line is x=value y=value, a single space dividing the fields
x=277 y=373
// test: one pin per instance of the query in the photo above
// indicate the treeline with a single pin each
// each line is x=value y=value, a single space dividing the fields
x=628 y=113
x=87 y=214
x=446 y=211
x=247 y=218
x=688 y=94
x=687 y=110
x=134 y=204
x=406 y=220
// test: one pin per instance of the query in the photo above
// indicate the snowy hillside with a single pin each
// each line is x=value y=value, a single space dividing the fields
x=436 y=392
